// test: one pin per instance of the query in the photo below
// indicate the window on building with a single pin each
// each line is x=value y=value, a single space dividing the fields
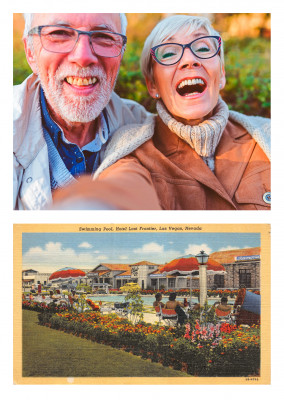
x=153 y=282
x=219 y=281
x=171 y=282
x=245 y=278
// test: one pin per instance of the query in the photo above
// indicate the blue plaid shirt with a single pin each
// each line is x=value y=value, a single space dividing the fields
x=77 y=160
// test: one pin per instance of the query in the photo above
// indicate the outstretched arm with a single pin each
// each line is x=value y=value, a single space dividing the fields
x=126 y=185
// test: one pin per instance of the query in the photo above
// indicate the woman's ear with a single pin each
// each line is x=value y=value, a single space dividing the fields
x=222 y=78
x=30 y=55
x=152 y=89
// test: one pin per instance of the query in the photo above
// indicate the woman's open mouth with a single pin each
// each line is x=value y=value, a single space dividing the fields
x=191 y=87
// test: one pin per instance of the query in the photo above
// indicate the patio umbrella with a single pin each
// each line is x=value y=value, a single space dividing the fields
x=188 y=265
x=66 y=275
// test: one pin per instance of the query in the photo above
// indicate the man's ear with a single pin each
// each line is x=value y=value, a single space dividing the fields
x=222 y=78
x=30 y=55
x=151 y=86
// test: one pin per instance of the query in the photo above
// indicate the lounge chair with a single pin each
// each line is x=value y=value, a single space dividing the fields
x=224 y=316
x=169 y=316
x=122 y=308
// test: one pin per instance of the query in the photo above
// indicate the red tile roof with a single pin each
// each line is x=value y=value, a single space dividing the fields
x=144 y=263
x=113 y=267
x=124 y=273
x=228 y=256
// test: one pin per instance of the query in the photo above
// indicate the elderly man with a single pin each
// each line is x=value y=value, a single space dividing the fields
x=65 y=112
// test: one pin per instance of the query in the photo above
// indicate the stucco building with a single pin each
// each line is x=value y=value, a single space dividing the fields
x=242 y=268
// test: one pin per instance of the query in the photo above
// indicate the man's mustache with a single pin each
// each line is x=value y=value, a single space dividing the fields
x=63 y=72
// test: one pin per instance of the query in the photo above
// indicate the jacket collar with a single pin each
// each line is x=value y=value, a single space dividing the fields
x=168 y=142
x=28 y=137
x=234 y=142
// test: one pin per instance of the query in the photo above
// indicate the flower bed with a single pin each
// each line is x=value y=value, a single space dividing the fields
x=195 y=292
x=186 y=292
x=43 y=307
x=221 y=350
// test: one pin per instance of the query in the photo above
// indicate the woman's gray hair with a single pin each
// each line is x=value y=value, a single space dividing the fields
x=29 y=20
x=167 y=28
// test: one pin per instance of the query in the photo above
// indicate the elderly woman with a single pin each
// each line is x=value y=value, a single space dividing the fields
x=195 y=154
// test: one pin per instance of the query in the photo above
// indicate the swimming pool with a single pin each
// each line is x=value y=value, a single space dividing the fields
x=148 y=300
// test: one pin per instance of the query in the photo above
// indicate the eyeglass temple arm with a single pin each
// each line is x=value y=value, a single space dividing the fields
x=35 y=31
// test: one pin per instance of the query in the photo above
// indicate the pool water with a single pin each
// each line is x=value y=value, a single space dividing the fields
x=148 y=300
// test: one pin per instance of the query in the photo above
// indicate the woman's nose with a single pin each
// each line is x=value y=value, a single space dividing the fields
x=189 y=60
x=83 y=54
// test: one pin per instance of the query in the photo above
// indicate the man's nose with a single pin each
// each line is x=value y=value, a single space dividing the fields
x=83 y=54
x=189 y=60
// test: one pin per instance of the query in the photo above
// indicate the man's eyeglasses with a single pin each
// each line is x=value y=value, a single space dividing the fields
x=61 y=39
x=170 y=53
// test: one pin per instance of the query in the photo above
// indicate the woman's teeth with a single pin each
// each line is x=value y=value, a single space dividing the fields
x=191 y=82
x=189 y=87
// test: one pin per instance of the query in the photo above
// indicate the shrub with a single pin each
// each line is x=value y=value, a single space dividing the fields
x=135 y=306
x=43 y=307
x=83 y=286
x=203 y=350
x=248 y=76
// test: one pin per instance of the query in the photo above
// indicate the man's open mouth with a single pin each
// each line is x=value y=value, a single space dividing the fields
x=77 y=81
x=189 y=87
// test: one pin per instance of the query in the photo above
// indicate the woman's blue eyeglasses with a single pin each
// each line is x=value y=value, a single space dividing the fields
x=171 y=53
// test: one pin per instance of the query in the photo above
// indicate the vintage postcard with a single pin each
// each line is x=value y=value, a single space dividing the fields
x=142 y=304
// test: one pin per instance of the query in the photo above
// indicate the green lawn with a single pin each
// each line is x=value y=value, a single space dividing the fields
x=47 y=352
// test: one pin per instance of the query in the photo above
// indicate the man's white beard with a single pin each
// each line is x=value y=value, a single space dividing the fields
x=76 y=108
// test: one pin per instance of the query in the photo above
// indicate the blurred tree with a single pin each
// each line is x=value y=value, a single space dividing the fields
x=21 y=68
x=242 y=25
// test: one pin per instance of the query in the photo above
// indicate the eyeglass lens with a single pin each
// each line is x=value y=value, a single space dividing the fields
x=202 y=48
x=63 y=40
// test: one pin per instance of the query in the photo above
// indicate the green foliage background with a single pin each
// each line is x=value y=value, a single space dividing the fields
x=247 y=64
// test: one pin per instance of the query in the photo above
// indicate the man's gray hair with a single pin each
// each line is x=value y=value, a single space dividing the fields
x=167 y=28
x=29 y=20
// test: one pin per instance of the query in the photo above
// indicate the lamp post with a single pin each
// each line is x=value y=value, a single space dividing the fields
x=202 y=259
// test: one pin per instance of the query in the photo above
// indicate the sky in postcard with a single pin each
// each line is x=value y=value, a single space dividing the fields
x=47 y=252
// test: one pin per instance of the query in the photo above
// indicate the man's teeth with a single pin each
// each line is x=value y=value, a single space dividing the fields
x=81 y=81
x=191 y=82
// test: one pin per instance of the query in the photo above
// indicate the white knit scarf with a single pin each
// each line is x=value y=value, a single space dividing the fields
x=203 y=138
